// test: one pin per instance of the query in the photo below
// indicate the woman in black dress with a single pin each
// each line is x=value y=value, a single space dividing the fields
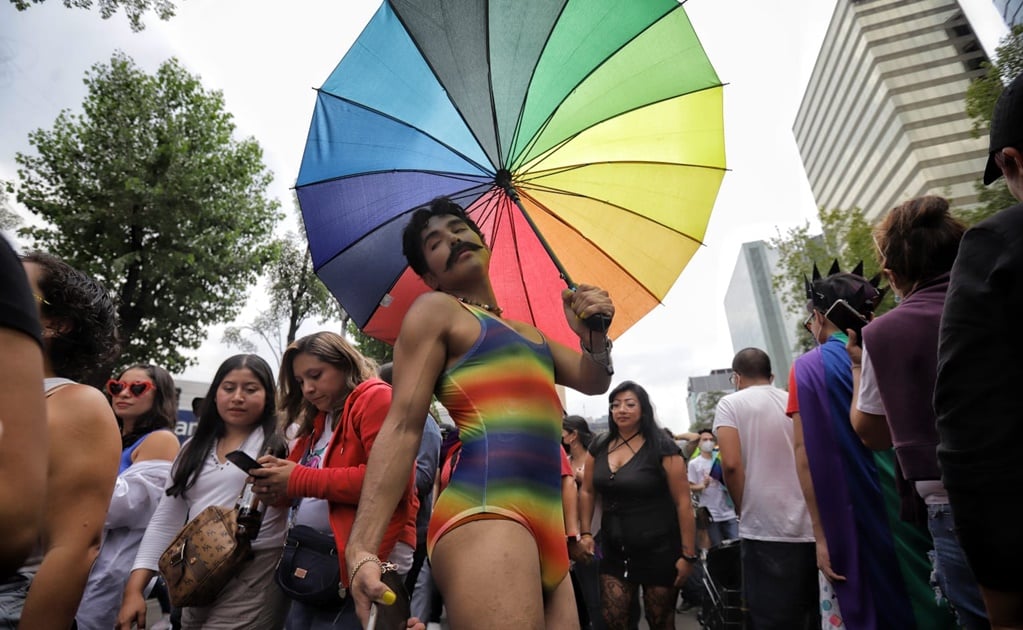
x=648 y=533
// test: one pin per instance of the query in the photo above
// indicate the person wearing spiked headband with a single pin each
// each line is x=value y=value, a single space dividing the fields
x=876 y=564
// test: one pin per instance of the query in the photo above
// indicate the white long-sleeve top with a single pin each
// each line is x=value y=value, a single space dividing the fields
x=136 y=495
x=217 y=484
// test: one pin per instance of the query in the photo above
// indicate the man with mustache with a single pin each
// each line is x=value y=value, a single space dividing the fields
x=497 y=538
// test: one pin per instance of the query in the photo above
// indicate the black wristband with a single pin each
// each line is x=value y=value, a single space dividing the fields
x=690 y=559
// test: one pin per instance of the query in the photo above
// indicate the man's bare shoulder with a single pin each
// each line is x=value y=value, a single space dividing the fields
x=433 y=310
x=80 y=409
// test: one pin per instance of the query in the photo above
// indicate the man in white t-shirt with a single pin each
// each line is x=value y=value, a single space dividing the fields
x=779 y=559
x=706 y=479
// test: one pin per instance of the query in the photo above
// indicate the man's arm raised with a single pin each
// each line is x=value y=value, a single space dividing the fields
x=585 y=370
x=419 y=357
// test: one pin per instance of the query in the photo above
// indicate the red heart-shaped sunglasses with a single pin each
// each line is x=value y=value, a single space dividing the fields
x=136 y=389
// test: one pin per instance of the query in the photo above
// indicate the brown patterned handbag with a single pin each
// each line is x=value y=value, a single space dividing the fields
x=205 y=555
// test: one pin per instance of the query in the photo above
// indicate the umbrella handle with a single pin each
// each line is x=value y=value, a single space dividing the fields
x=598 y=322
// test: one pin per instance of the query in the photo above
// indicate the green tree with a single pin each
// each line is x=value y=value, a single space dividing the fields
x=148 y=191
x=706 y=404
x=8 y=218
x=980 y=105
x=845 y=236
x=373 y=348
x=296 y=295
x=134 y=9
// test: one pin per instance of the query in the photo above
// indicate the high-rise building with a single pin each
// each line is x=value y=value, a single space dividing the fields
x=883 y=119
x=756 y=317
x=1010 y=10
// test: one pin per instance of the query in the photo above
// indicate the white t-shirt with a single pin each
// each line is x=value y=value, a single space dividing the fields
x=313 y=512
x=713 y=497
x=773 y=507
x=869 y=399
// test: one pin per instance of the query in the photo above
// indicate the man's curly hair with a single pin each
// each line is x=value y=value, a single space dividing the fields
x=82 y=309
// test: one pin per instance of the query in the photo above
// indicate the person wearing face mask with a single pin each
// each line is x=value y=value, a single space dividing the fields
x=705 y=477
x=875 y=563
x=778 y=555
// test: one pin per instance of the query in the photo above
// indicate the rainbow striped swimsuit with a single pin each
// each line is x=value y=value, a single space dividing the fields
x=501 y=396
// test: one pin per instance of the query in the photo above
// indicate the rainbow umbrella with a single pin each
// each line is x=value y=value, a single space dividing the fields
x=589 y=128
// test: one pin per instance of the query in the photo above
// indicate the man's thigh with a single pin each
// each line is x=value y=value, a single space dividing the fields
x=780 y=584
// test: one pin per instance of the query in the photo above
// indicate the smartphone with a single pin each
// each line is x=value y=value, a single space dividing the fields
x=845 y=317
x=243 y=460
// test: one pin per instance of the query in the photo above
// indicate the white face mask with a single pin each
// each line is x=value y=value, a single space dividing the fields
x=707 y=446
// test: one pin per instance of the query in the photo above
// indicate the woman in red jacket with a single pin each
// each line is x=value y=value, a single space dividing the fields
x=331 y=393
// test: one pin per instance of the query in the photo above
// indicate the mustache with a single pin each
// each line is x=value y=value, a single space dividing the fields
x=457 y=250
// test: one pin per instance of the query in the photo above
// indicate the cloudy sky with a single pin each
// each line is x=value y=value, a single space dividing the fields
x=267 y=56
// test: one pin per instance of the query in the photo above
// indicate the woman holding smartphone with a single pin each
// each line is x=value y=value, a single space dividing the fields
x=332 y=393
x=239 y=414
x=143 y=399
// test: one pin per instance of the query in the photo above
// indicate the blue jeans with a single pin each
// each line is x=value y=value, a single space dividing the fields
x=720 y=531
x=954 y=575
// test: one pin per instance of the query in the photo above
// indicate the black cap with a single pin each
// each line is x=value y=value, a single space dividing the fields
x=1006 y=126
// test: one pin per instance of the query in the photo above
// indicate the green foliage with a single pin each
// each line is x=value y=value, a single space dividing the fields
x=368 y=346
x=296 y=294
x=981 y=97
x=8 y=218
x=132 y=8
x=706 y=404
x=148 y=191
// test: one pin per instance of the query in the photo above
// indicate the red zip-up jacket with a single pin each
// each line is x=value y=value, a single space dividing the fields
x=344 y=469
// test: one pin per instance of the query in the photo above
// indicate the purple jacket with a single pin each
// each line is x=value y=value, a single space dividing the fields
x=903 y=349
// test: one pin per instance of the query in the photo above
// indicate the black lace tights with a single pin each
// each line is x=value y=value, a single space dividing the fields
x=616 y=596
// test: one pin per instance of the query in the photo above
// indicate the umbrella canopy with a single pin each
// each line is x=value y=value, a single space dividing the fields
x=592 y=125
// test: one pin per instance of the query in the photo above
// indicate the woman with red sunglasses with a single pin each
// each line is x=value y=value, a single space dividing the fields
x=143 y=399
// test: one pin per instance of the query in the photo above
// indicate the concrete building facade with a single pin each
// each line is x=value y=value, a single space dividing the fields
x=756 y=317
x=882 y=119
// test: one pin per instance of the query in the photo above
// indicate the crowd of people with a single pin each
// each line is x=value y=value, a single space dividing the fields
x=869 y=495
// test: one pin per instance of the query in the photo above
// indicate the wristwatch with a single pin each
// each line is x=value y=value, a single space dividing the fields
x=690 y=559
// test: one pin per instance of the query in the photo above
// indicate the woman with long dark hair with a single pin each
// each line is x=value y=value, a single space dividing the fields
x=333 y=394
x=238 y=414
x=143 y=398
x=648 y=533
x=576 y=437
